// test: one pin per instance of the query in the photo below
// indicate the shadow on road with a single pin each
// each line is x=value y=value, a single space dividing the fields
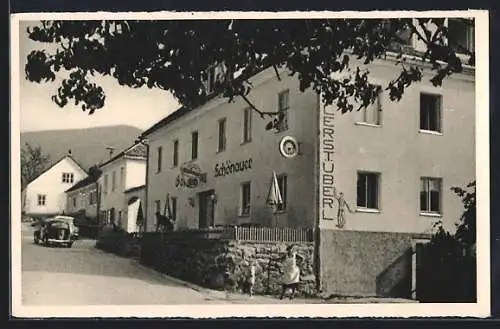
x=84 y=259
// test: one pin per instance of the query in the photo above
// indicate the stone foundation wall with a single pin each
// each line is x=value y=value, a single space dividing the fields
x=224 y=264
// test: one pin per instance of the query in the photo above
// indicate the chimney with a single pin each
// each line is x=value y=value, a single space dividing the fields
x=69 y=152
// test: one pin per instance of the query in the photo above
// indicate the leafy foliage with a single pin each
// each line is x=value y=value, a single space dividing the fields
x=466 y=227
x=95 y=172
x=450 y=259
x=33 y=163
x=174 y=56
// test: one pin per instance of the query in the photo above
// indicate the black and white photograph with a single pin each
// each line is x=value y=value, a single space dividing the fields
x=240 y=164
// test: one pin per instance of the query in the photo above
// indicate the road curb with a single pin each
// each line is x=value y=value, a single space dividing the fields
x=179 y=281
x=223 y=295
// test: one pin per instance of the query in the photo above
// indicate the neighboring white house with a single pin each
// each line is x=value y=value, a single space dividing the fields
x=81 y=198
x=122 y=172
x=45 y=195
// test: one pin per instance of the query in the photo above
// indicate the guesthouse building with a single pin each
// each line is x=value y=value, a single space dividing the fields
x=217 y=161
x=378 y=179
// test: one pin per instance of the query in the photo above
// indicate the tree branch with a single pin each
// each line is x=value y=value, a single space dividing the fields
x=261 y=113
x=419 y=35
x=276 y=71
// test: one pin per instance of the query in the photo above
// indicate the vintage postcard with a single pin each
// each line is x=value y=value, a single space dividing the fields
x=250 y=164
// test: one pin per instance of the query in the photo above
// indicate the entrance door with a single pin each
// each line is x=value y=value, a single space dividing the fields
x=112 y=216
x=206 y=215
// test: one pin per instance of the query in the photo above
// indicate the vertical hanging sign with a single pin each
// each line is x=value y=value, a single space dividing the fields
x=327 y=201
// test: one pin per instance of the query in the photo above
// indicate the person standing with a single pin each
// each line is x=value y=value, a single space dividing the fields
x=291 y=273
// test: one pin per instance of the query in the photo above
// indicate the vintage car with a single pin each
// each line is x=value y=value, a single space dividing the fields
x=58 y=230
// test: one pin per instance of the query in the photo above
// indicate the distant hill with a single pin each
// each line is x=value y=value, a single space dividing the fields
x=88 y=146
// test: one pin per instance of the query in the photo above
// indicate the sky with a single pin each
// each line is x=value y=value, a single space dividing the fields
x=140 y=108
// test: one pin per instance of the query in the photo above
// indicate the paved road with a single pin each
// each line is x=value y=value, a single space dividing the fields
x=84 y=275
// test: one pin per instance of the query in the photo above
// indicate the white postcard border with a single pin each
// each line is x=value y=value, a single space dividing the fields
x=479 y=309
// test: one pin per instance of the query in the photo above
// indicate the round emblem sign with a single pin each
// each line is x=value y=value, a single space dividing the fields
x=289 y=147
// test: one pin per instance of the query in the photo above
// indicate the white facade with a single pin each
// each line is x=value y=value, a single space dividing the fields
x=134 y=208
x=46 y=194
x=83 y=199
x=402 y=155
x=395 y=149
x=413 y=167
x=259 y=156
x=129 y=171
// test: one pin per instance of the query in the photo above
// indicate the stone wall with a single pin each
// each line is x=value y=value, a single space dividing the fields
x=224 y=264
x=360 y=263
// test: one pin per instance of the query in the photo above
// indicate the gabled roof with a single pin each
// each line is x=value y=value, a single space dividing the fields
x=84 y=182
x=180 y=112
x=55 y=163
x=135 y=188
x=137 y=150
x=183 y=110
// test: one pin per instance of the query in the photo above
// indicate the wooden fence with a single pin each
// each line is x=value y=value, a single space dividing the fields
x=272 y=234
x=256 y=234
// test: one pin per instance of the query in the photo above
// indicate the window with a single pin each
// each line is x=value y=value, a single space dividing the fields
x=74 y=202
x=283 y=105
x=282 y=184
x=119 y=218
x=113 y=181
x=461 y=35
x=403 y=40
x=157 y=206
x=247 y=125
x=245 y=199
x=430 y=195
x=173 y=203
x=159 y=152
x=41 y=199
x=175 y=156
x=194 y=145
x=372 y=113
x=430 y=112
x=92 y=198
x=222 y=135
x=209 y=79
x=122 y=176
x=67 y=178
x=367 y=190
x=105 y=183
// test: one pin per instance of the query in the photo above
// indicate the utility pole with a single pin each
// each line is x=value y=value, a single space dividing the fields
x=111 y=150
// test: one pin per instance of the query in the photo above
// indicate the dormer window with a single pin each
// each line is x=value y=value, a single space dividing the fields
x=403 y=40
x=68 y=178
x=209 y=80
x=214 y=73
x=461 y=35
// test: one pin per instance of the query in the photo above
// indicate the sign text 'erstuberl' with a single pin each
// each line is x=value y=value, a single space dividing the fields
x=229 y=167
x=326 y=179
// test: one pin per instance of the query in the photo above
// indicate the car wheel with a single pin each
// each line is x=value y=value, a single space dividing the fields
x=70 y=244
